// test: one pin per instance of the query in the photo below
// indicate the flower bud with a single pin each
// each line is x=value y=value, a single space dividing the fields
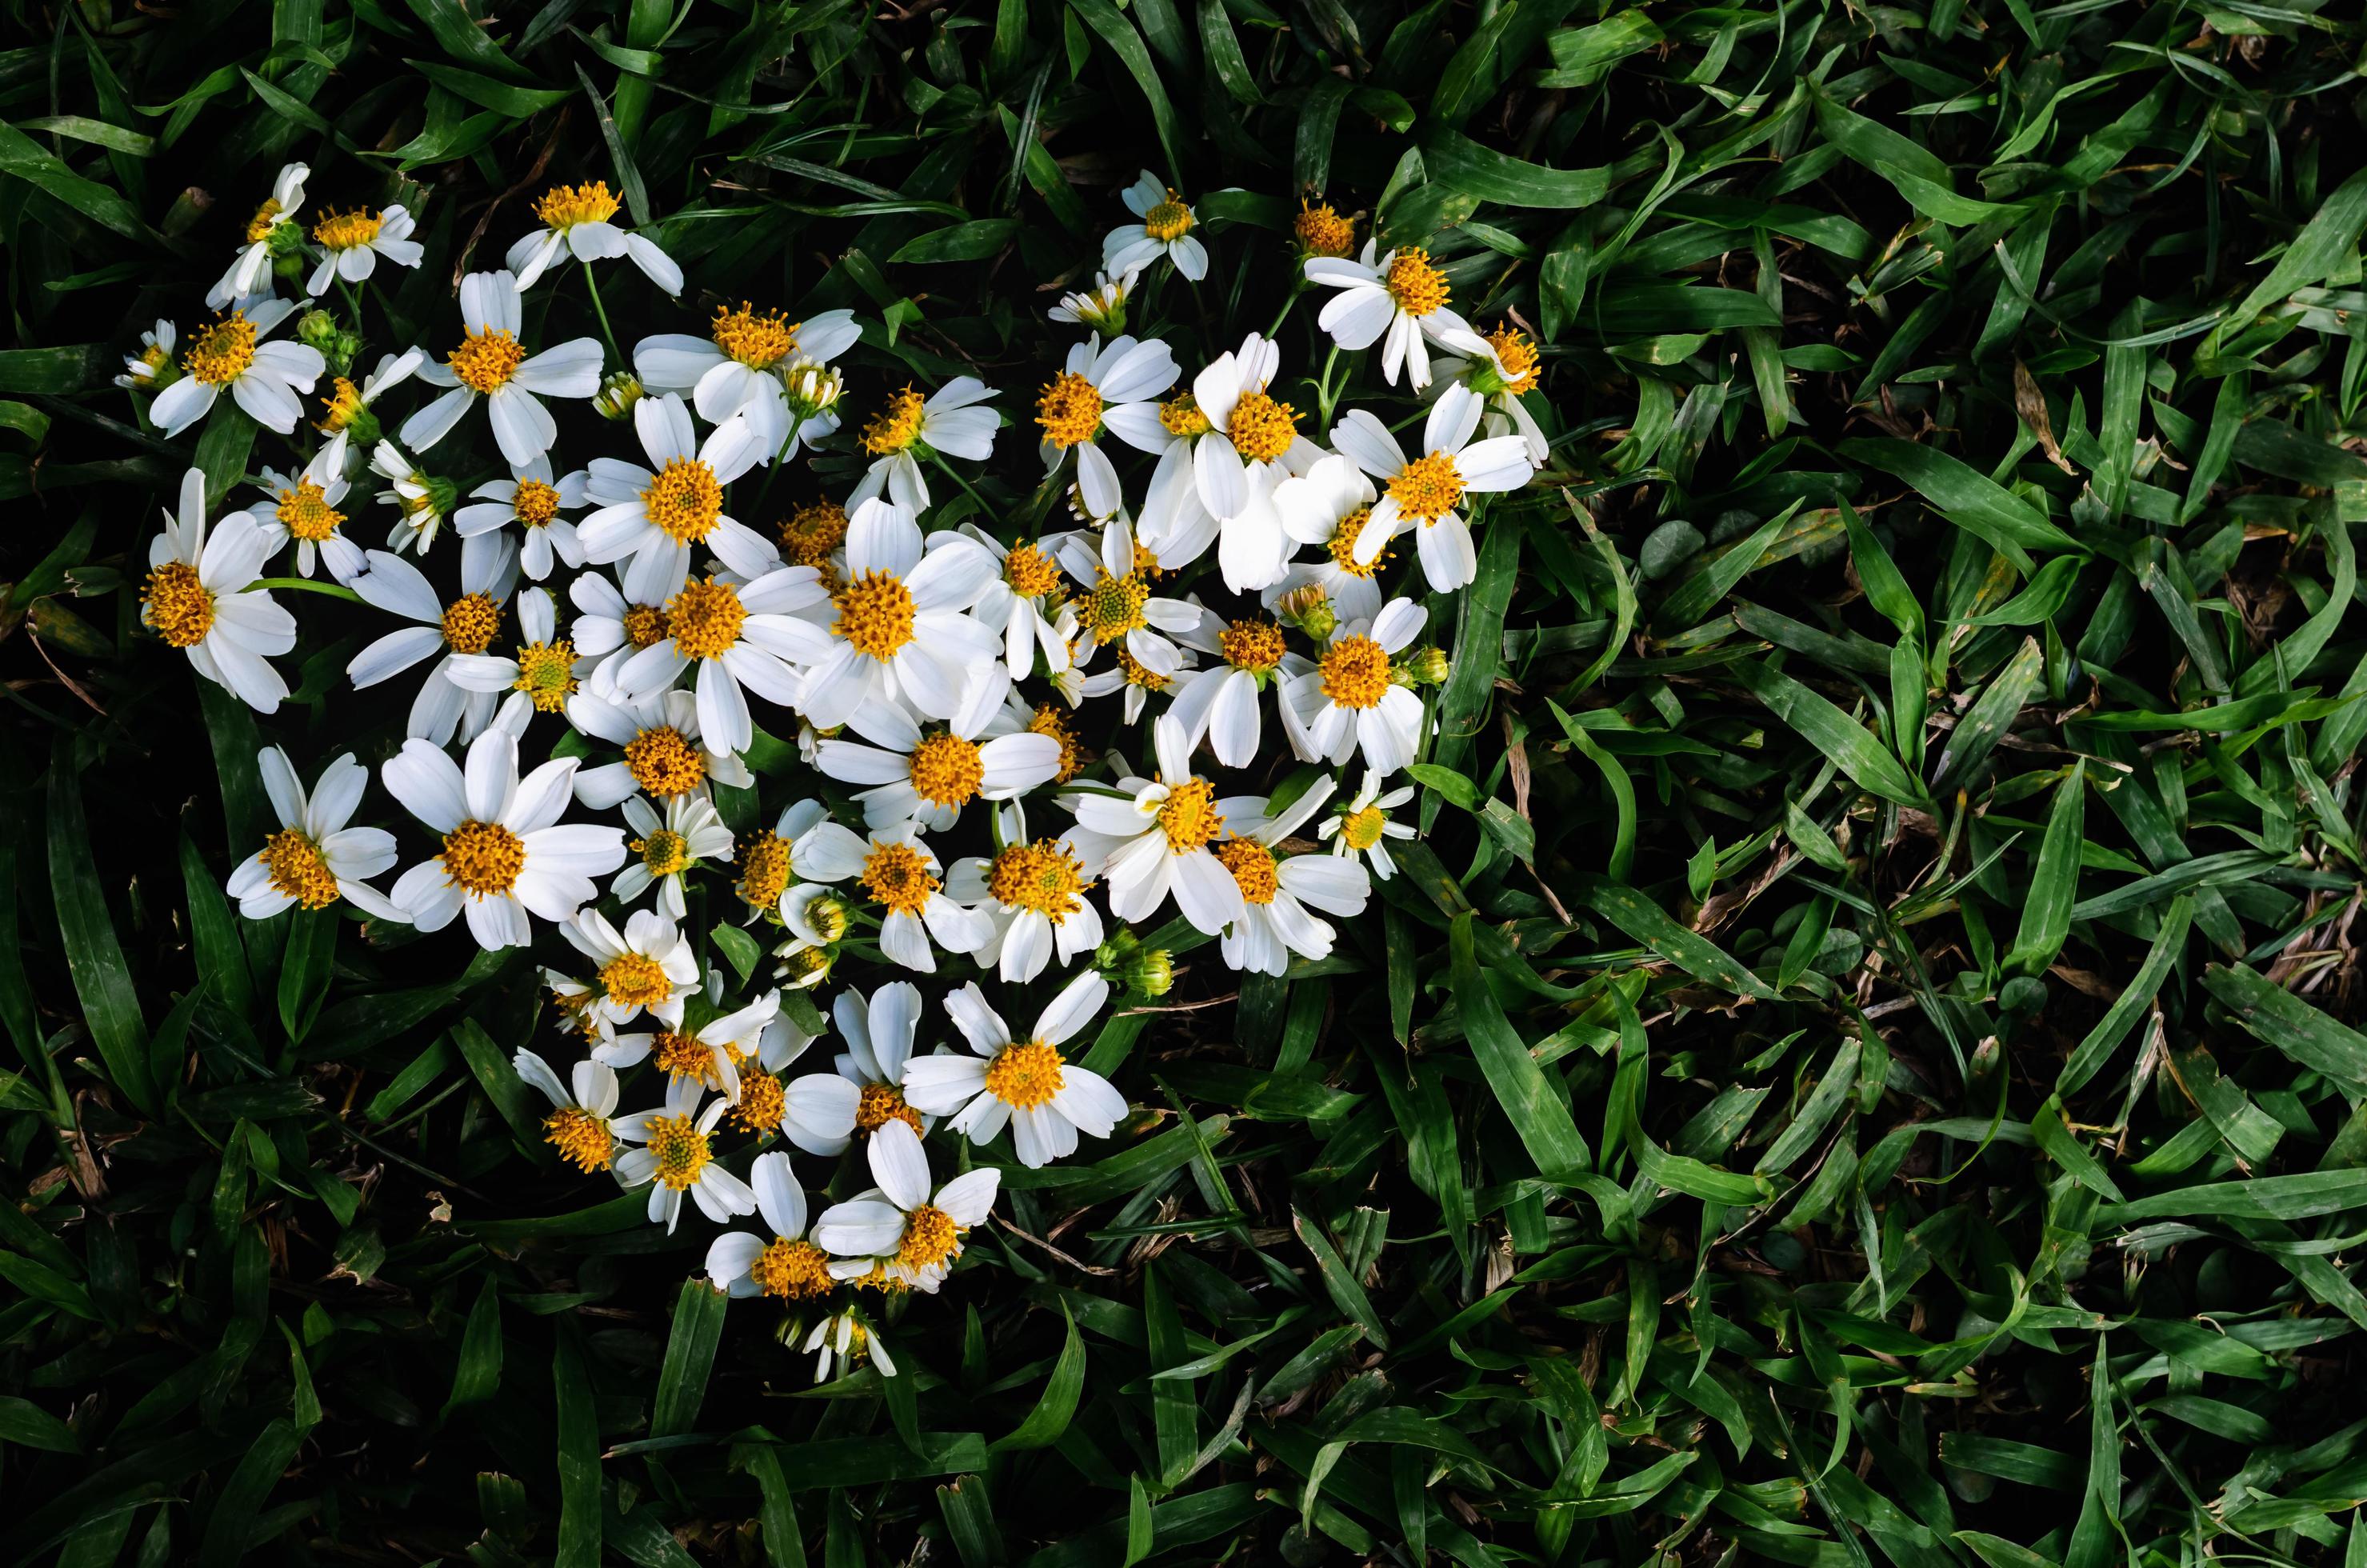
x=1426 y=666
x=1310 y=608
x=812 y=388
x=801 y=967
x=830 y=917
x=285 y=242
x=317 y=329
x=1152 y=972
x=617 y=396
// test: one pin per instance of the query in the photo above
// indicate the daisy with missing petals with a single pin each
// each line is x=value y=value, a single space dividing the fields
x=669 y=847
x=845 y=1343
x=788 y=1268
x=879 y=1035
x=198 y=598
x=677 y=1155
x=1151 y=838
x=1105 y=384
x=574 y=220
x=927 y=778
x=578 y=1123
x=1328 y=506
x=315 y=859
x=816 y=1111
x=1119 y=606
x=1252 y=445
x=1024 y=600
x=421 y=500
x=1397 y=299
x=1276 y=889
x=444 y=633
x=666 y=752
x=352 y=242
x=1352 y=697
x=1221 y=702
x=542 y=675
x=901 y=632
x=266 y=234
x=491 y=364
x=345 y=416
x=901 y=1226
x=1423 y=493
x=151 y=368
x=1026 y=1082
x=1361 y=826
x=1500 y=366
x=304 y=507
x=736 y=635
x=947 y=424
x=1128 y=676
x=737 y=368
x=654 y=515
x=1033 y=892
x=606 y=621
x=1101 y=308
x=1163 y=227
x=505 y=854
x=532 y=499
x=767 y=857
x=647 y=968
x=227 y=355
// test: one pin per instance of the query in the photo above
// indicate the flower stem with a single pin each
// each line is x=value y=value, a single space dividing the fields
x=600 y=310
x=1297 y=287
x=985 y=511
x=334 y=590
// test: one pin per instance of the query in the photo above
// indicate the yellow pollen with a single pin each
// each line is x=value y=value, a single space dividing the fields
x=547 y=675
x=222 y=349
x=895 y=875
x=1321 y=230
x=1356 y=672
x=470 y=623
x=483 y=858
x=877 y=1279
x=881 y=1103
x=684 y=500
x=664 y=764
x=812 y=532
x=1069 y=410
x=1180 y=415
x=895 y=426
x=535 y=504
x=564 y=206
x=636 y=980
x=582 y=1139
x=705 y=619
x=1262 y=428
x=1343 y=545
x=266 y=218
x=948 y=770
x=931 y=1239
x=681 y=1149
x=1137 y=676
x=794 y=1271
x=1252 y=866
x=1418 y=287
x=1363 y=829
x=153 y=358
x=1171 y=220
x=180 y=607
x=1045 y=876
x=680 y=1056
x=306 y=512
x=1189 y=817
x=347 y=231
x=297 y=870
x=1050 y=721
x=874 y=615
x=487 y=360
x=340 y=407
x=663 y=853
x=1024 y=1076
x=763 y=870
x=1519 y=357
x=1115 y=606
x=1252 y=645
x=1427 y=488
x=757 y=342
x=1030 y=573
x=645 y=626
x=762 y=1103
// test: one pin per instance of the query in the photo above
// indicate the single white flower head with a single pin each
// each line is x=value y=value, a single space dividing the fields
x=902 y=1226
x=199 y=597
x=575 y=223
x=491 y=365
x=314 y=859
x=1162 y=227
x=1023 y=1082
x=352 y=243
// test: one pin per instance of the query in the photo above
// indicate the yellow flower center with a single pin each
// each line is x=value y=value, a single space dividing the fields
x=340 y=407
x=266 y=218
x=931 y=1238
x=895 y=426
x=306 y=512
x=763 y=870
x=1427 y=488
x=535 y=503
x=1045 y=876
x=297 y=870
x=757 y=342
x=582 y=1139
x=1252 y=866
x=483 y=858
x=1417 y=286
x=1050 y=721
x=1030 y=573
x=574 y=1005
x=948 y=770
x=153 y=358
x=1344 y=545
x=180 y=607
x=681 y=1149
x=1356 y=672
x=645 y=626
x=486 y=361
x=1180 y=415
x=881 y=1103
x=794 y=1271
x=874 y=615
x=347 y=231
x=222 y=349
x=1363 y=829
x=636 y=980
x=1137 y=676
x=547 y=675
x=470 y=623
x=1262 y=428
x=1115 y=606
x=1519 y=357
x=705 y=619
x=1069 y=410
x=664 y=764
x=1171 y=220
x=1252 y=645
x=895 y=875
x=564 y=206
x=762 y=1102
x=680 y=1056
x=1189 y=816
x=664 y=853
x=1024 y=1076
x=684 y=500
x=1321 y=230
x=812 y=532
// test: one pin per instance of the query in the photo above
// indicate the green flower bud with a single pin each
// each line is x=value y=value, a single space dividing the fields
x=618 y=394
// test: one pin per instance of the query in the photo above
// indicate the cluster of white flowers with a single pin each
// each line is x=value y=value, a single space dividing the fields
x=921 y=668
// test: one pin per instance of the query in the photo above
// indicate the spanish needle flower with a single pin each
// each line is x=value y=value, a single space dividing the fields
x=902 y=875
x=1252 y=445
x=491 y=364
x=151 y=368
x=742 y=367
x=1103 y=385
x=1025 y=1082
x=199 y=597
x=446 y=632
x=670 y=846
x=788 y=1267
x=605 y=620
x=352 y=242
x=578 y=1123
x=1502 y=366
x=1352 y=697
x=1151 y=836
x=345 y=413
x=315 y=859
x=421 y=500
x=266 y=235
x=947 y=424
x=1362 y=826
x=1220 y=700
x=676 y=1156
x=1277 y=889
x=1163 y=227
x=1396 y=298
x=1119 y=606
x=1024 y=599
x=927 y=777
x=1101 y=308
x=646 y=968
x=715 y=1057
x=531 y=498
x=542 y=675
x=574 y=220
x=1423 y=493
x=665 y=752
x=901 y=1226
x=304 y=507
x=228 y=354
x=846 y=1342
x=736 y=635
x=1033 y=892
x=1328 y=506
x=654 y=515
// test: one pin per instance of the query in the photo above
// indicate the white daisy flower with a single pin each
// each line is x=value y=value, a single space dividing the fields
x=1328 y=506
x=228 y=354
x=1153 y=836
x=739 y=369
x=444 y=633
x=1423 y=493
x=1397 y=299
x=1220 y=702
x=677 y=1155
x=1023 y=600
x=543 y=676
x=197 y=599
x=1352 y=698
x=901 y=1226
x=1033 y=892
x=346 y=415
x=574 y=220
x=1163 y=227
x=1125 y=675
x=578 y=1123
x=737 y=635
x=153 y=367
x=654 y=515
x=262 y=234
x=666 y=754
x=1253 y=444
x=1362 y=826
x=531 y=498
x=491 y=364
x=303 y=507
x=420 y=499
x=767 y=857
x=606 y=621
x=816 y=1111
x=1103 y=385
x=928 y=778
x=846 y=1342
x=948 y=424
x=901 y=874
x=1119 y=606
x=878 y=1033
x=1276 y=889
x=670 y=846
x=1101 y=308
x=1047 y=1099
x=505 y=854
x=351 y=244
x=714 y=1058
x=788 y=1267
x=315 y=859
x=647 y=968
x=1501 y=367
